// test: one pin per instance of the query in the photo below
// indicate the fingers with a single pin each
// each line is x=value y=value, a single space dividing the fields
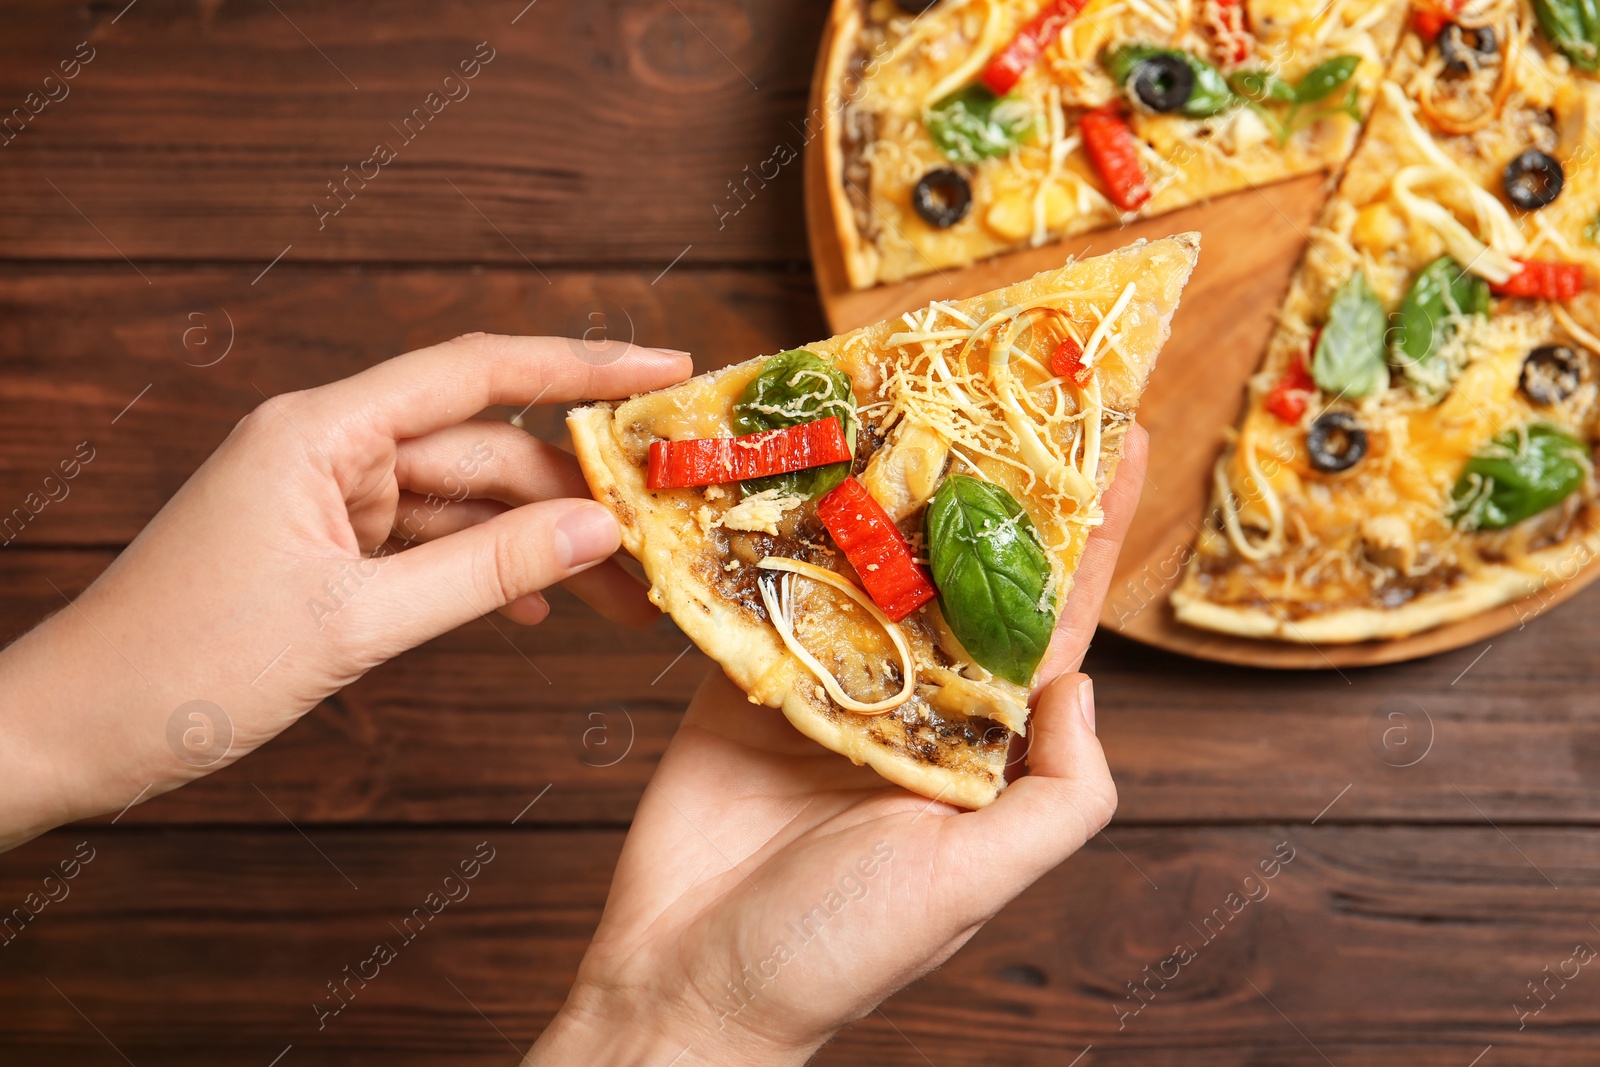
x=435 y=587
x=1043 y=818
x=1076 y=627
x=448 y=383
x=484 y=459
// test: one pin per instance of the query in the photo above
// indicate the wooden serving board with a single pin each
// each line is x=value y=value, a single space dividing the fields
x=1251 y=242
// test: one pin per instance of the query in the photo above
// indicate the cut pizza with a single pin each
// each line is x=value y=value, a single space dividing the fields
x=962 y=128
x=1418 y=445
x=876 y=533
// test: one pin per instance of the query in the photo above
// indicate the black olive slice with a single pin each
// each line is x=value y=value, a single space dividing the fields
x=1336 y=442
x=1467 y=49
x=1533 y=179
x=1162 y=82
x=1551 y=373
x=942 y=197
x=915 y=7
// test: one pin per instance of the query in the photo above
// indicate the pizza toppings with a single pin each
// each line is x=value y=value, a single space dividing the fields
x=1429 y=17
x=1292 y=393
x=1533 y=180
x=1067 y=362
x=1550 y=374
x=1167 y=80
x=1441 y=297
x=942 y=197
x=794 y=388
x=876 y=549
x=1114 y=151
x=1231 y=39
x=1349 y=356
x=1467 y=49
x=995 y=583
x=715 y=460
x=777 y=594
x=1542 y=280
x=1517 y=475
x=1013 y=61
x=1573 y=26
x=1307 y=99
x=973 y=124
x=1336 y=442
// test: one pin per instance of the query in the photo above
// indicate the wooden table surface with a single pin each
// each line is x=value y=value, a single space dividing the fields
x=170 y=254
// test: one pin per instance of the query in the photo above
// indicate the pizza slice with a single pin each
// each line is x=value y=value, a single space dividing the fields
x=958 y=129
x=1419 y=444
x=876 y=533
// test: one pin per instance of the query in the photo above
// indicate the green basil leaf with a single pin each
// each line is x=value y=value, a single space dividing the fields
x=1441 y=295
x=1261 y=87
x=1321 y=80
x=1517 y=475
x=1349 y=358
x=992 y=574
x=972 y=124
x=1211 y=93
x=795 y=387
x=1573 y=26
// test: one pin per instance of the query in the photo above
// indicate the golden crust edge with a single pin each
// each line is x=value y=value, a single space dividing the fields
x=860 y=257
x=1492 y=588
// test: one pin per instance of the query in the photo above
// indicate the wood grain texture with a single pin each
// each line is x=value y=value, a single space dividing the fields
x=220 y=943
x=466 y=729
x=616 y=132
x=196 y=350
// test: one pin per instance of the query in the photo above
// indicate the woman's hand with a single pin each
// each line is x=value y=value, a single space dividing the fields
x=770 y=891
x=272 y=578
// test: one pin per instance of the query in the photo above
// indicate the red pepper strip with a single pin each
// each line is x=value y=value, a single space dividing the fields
x=1109 y=141
x=1289 y=398
x=1233 y=41
x=1067 y=362
x=1432 y=16
x=714 y=460
x=876 y=549
x=1012 y=62
x=1543 y=279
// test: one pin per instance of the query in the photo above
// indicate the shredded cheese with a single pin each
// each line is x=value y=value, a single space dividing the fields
x=780 y=606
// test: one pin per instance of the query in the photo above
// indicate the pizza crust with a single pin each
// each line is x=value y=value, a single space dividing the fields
x=1482 y=591
x=860 y=257
x=959 y=761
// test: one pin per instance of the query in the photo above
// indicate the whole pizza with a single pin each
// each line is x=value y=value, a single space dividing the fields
x=1419 y=443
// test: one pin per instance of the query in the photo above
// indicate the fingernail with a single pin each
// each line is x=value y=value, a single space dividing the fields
x=1086 y=702
x=586 y=534
x=669 y=351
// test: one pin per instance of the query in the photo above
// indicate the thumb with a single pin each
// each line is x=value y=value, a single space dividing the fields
x=437 y=586
x=1040 y=819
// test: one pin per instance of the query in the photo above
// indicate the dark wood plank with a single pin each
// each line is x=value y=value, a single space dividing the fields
x=77 y=347
x=469 y=729
x=1386 y=946
x=613 y=132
